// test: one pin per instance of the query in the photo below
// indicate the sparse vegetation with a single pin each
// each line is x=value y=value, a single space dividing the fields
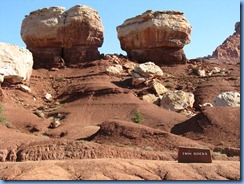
x=137 y=117
x=219 y=154
x=3 y=119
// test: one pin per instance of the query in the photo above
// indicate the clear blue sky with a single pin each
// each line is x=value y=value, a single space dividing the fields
x=212 y=20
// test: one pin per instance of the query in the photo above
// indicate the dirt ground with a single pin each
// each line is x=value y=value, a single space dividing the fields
x=95 y=133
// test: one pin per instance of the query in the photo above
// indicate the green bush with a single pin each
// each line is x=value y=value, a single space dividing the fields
x=137 y=117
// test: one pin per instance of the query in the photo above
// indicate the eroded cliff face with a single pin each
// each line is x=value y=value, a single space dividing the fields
x=57 y=37
x=229 y=50
x=156 y=36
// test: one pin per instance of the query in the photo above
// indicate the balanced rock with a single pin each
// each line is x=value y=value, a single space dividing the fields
x=158 y=36
x=15 y=63
x=73 y=35
x=228 y=98
x=229 y=50
x=177 y=100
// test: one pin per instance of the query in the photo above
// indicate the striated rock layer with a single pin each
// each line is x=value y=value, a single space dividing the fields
x=57 y=37
x=156 y=36
x=229 y=50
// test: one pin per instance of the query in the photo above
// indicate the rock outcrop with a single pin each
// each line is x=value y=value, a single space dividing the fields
x=15 y=63
x=156 y=36
x=57 y=37
x=229 y=50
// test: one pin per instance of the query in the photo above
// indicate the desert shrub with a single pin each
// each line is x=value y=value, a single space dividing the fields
x=137 y=117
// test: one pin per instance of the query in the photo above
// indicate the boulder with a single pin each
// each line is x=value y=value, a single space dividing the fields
x=15 y=63
x=177 y=100
x=229 y=50
x=145 y=71
x=228 y=98
x=157 y=36
x=149 y=69
x=73 y=35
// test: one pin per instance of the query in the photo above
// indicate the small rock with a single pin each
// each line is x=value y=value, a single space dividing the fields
x=207 y=104
x=201 y=73
x=107 y=57
x=48 y=97
x=137 y=79
x=39 y=114
x=130 y=65
x=188 y=113
x=151 y=98
x=114 y=70
x=54 y=69
x=115 y=59
x=55 y=123
x=159 y=88
x=25 y=88
x=228 y=98
x=216 y=70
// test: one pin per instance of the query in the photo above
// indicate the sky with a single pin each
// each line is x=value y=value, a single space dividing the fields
x=212 y=21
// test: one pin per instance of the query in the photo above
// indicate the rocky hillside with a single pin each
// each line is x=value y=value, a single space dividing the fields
x=229 y=50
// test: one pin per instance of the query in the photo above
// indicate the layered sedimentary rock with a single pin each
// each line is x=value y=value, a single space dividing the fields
x=155 y=36
x=15 y=63
x=57 y=37
x=229 y=50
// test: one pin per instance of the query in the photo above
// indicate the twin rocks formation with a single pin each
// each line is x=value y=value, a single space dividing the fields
x=156 y=36
x=57 y=37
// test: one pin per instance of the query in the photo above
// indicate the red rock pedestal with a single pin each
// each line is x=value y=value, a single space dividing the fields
x=194 y=155
x=75 y=55
x=159 y=55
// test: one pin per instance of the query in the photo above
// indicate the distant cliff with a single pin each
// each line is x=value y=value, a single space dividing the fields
x=229 y=50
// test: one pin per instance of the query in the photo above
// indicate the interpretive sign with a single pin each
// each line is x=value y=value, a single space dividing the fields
x=194 y=155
